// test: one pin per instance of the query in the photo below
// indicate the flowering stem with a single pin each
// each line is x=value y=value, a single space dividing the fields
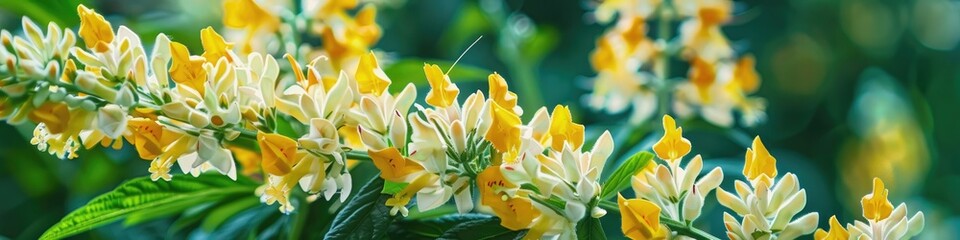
x=674 y=225
x=358 y=155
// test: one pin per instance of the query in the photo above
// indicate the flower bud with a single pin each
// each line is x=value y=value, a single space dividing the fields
x=125 y=96
x=112 y=121
x=598 y=212
x=398 y=130
x=89 y=83
x=692 y=205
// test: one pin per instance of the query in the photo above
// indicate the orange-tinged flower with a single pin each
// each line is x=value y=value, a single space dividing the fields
x=55 y=116
x=745 y=74
x=96 y=32
x=837 y=231
x=500 y=92
x=564 y=130
x=393 y=166
x=515 y=213
x=370 y=77
x=250 y=15
x=147 y=136
x=443 y=93
x=876 y=206
x=247 y=158
x=759 y=164
x=703 y=74
x=504 y=131
x=672 y=146
x=187 y=70
x=641 y=219
x=214 y=47
x=279 y=153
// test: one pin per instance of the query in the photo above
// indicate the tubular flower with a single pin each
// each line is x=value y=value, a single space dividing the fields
x=563 y=130
x=837 y=232
x=442 y=92
x=370 y=77
x=883 y=220
x=94 y=29
x=501 y=94
x=504 y=131
x=676 y=191
x=641 y=219
x=767 y=206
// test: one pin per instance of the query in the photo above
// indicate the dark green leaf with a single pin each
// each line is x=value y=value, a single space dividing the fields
x=481 y=229
x=620 y=179
x=590 y=228
x=431 y=228
x=365 y=216
x=142 y=194
x=221 y=213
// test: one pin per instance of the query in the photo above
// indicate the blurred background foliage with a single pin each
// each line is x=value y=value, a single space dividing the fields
x=856 y=88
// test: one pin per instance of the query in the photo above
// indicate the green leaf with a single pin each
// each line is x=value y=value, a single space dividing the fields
x=431 y=228
x=142 y=194
x=590 y=228
x=621 y=177
x=366 y=216
x=481 y=229
x=220 y=214
x=410 y=70
x=391 y=187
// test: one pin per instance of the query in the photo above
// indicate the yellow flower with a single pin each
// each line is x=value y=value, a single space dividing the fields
x=745 y=74
x=504 y=131
x=759 y=164
x=516 y=213
x=500 y=93
x=214 y=47
x=672 y=146
x=248 y=14
x=641 y=219
x=703 y=74
x=400 y=199
x=876 y=206
x=148 y=137
x=837 y=231
x=393 y=166
x=443 y=93
x=279 y=153
x=187 y=70
x=56 y=116
x=96 y=32
x=563 y=129
x=370 y=78
x=247 y=158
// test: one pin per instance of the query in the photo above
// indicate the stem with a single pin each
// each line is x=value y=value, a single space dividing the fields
x=674 y=225
x=357 y=155
x=662 y=62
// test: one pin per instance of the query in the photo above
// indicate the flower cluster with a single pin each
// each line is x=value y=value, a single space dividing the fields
x=883 y=220
x=632 y=69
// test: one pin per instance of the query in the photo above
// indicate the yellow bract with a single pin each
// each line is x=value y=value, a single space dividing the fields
x=96 y=32
x=500 y=93
x=504 y=131
x=876 y=206
x=393 y=166
x=214 y=46
x=641 y=219
x=759 y=164
x=370 y=78
x=442 y=92
x=279 y=153
x=187 y=70
x=837 y=231
x=672 y=146
x=563 y=129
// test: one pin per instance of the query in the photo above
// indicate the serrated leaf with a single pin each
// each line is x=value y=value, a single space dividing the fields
x=366 y=216
x=481 y=229
x=431 y=228
x=590 y=228
x=143 y=194
x=620 y=179
x=410 y=70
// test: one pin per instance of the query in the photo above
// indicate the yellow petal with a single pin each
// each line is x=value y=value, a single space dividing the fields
x=837 y=231
x=278 y=153
x=672 y=146
x=55 y=116
x=564 y=130
x=746 y=74
x=147 y=136
x=500 y=93
x=702 y=74
x=641 y=219
x=96 y=32
x=370 y=78
x=214 y=46
x=876 y=206
x=504 y=131
x=759 y=164
x=403 y=197
x=186 y=69
x=442 y=92
x=393 y=166
x=515 y=213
